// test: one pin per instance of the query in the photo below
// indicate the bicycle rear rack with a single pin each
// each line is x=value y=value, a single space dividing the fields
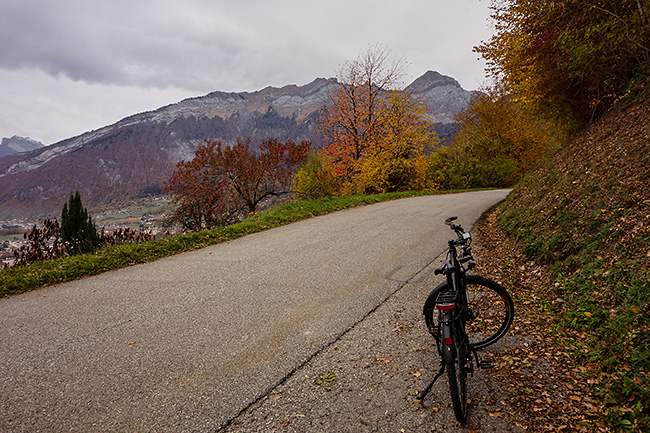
x=446 y=298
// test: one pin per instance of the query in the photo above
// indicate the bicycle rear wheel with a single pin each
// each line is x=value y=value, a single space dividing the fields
x=490 y=311
x=457 y=375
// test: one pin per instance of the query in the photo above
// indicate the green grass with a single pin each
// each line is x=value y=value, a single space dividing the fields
x=593 y=233
x=23 y=279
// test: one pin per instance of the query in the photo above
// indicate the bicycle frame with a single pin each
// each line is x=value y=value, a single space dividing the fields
x=463 y=300
x=451 y=304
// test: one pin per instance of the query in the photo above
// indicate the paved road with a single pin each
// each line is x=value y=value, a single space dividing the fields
x=186 y=343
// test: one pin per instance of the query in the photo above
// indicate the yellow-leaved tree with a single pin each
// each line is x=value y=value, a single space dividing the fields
x=499 y=141
x=375 y=134
x=315 y=179
x=398 y=161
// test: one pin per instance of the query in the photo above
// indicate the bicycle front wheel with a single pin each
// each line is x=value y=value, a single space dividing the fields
x=490 y=310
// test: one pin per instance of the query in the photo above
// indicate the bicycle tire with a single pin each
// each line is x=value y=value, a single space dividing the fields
x=492 y=311
x=457 y=376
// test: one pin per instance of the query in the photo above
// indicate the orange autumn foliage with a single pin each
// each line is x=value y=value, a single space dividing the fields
x=571 y=57
x=374 y=134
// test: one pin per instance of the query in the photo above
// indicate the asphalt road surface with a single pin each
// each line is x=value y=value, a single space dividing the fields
x=193 y=342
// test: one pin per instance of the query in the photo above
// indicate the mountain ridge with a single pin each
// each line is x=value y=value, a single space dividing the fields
x=138 y=153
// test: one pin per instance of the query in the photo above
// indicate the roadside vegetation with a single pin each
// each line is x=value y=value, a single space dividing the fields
x=572 y=244
x=581 y=219
x=47 y=272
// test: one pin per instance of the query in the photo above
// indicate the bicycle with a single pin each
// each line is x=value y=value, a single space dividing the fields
x=472 y=313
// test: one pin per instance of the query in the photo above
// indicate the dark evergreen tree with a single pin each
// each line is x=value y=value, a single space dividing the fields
x=77 y=228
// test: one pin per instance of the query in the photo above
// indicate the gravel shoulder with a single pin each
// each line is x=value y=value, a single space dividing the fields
x=367 y=380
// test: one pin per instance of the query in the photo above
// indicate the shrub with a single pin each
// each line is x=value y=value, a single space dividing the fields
x=44 y=243
x=315 y=179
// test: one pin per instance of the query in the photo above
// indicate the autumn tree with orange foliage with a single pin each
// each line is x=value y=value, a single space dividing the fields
x=369 y=131
x=571 y=57
x=556 y=65
x=498 y=143
x=221 y=184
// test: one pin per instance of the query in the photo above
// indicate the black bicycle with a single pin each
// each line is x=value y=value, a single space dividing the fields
x=463 y=314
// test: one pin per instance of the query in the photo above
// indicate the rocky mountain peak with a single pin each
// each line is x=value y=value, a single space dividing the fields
x=17 y=144
x=139 y=153
x=442 y=95
x=431 y=80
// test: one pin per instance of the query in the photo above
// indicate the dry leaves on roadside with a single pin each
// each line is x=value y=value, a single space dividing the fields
x=548 y=391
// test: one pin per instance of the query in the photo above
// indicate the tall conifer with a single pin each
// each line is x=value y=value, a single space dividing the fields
x=77 y=228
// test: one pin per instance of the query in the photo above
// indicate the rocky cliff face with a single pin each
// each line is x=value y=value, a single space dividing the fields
x=137 y=154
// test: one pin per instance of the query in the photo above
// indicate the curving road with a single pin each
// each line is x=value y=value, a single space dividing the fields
x=188 y=342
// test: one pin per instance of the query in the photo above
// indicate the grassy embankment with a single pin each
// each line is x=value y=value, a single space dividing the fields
x=585 y=213
x=22 y=279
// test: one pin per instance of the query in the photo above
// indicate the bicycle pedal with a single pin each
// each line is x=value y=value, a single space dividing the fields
x=486 y=364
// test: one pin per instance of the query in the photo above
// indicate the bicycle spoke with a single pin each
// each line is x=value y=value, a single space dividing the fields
x=487 y=308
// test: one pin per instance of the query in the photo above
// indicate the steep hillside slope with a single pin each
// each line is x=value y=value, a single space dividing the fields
x=583 y=219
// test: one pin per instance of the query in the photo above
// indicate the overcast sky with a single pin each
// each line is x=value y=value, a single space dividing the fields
x=70 y=66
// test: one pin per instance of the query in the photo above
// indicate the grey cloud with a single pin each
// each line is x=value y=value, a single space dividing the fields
x=167 y=43
x=197 y=46
x=128 y=46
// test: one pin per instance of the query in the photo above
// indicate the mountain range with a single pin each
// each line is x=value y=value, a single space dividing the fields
x=135 y=156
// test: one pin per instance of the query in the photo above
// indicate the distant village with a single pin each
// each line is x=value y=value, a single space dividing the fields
x=12 y=232
x=11 y=237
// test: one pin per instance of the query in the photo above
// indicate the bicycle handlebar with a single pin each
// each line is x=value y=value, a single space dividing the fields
x=462 y=236
x=464 y=240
